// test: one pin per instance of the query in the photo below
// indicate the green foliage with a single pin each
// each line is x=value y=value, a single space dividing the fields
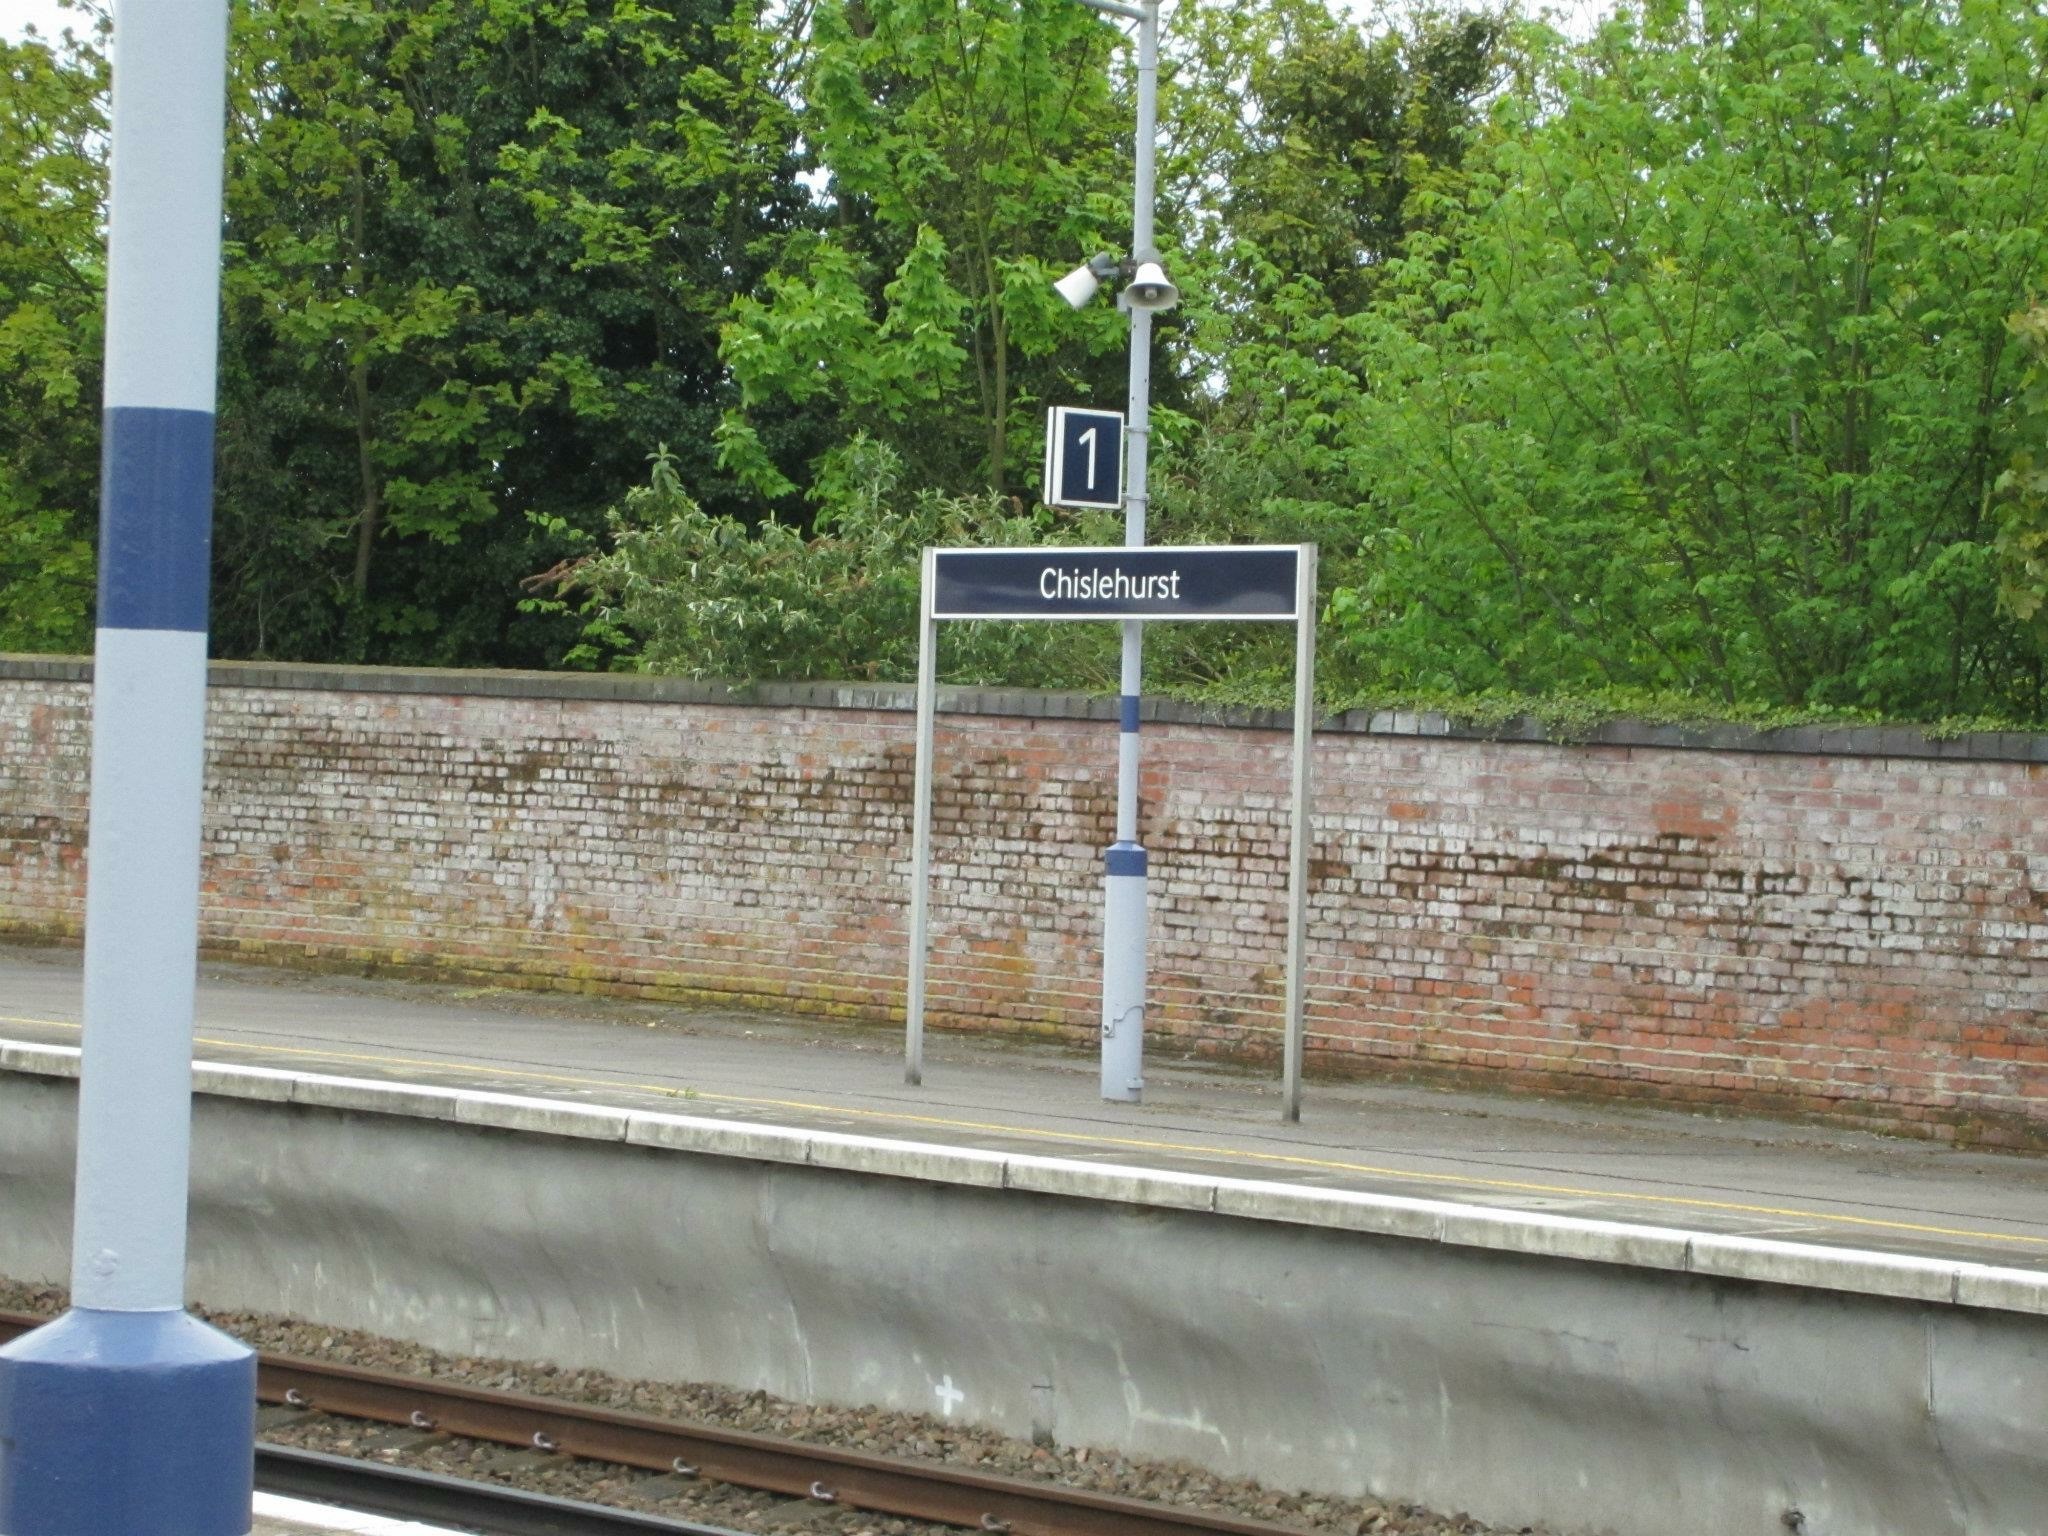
x=2023 y=524
x=52 y=201
x=712 y=598
x=968 y=155
x=478 y=251
x=813 y=338
x=1703 y=386
x=1350 y=128
x=1673 y=370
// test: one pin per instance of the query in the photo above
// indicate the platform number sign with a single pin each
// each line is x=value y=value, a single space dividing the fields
x=1084 y=457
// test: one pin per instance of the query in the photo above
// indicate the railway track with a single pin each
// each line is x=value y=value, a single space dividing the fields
x=406 y=1493
x=826 y=1475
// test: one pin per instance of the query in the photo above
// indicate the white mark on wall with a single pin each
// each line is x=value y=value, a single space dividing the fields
x=1193 y=1421
x=542 y=885
x=949 y=1396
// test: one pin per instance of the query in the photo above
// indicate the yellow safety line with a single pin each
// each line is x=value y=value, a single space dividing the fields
x=1085 y=1138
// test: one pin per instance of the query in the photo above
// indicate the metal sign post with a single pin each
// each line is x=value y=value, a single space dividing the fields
x=921 y=826
x=1300 y=837
x=128 y=1415
x=1218 y=583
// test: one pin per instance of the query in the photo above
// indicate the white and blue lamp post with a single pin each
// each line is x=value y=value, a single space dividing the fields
x=1124 y=862
x=127 y=1416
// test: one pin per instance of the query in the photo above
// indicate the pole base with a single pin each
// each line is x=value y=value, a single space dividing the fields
x=1123 y=974
x=127 y=1424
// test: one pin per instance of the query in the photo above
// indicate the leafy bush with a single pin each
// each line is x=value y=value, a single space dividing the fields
x=706 y=596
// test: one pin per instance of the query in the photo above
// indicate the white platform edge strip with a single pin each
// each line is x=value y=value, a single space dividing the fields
x=1723 y=1256
x=325 y=1517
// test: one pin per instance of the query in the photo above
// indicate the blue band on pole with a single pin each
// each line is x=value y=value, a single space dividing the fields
x=156 y=518
x=1130 y=711
x=1123 y=859
x=120 y=1422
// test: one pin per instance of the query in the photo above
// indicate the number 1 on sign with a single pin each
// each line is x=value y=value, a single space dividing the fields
x=1078 y=441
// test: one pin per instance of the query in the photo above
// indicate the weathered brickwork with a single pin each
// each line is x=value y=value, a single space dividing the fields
x=1837 y=933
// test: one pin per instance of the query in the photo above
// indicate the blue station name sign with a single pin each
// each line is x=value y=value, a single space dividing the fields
x=1225 y=581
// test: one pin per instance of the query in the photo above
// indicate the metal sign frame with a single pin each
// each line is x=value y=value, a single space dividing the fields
x=1150 y=589
x=1301 y=821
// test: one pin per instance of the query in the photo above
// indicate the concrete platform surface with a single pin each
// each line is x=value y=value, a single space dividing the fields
x=1614 y=1162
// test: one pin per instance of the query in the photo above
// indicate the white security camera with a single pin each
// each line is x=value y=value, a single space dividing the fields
x=1082 y=284
x=1150 y=288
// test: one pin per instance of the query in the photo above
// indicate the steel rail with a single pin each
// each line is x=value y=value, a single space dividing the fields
x=406 y=1493
x=915 y=1490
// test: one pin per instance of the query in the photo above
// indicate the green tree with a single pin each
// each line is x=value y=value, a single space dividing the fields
x=52 y=204
x=1707 y=386
x=2023 y=488
x=477 y=255
x=969 y=150
x=1346 y=126
x=1304 y=152
x=710 y=597
x=892 y=358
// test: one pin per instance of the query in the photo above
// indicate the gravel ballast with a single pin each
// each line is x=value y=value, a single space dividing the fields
x=875 y=1430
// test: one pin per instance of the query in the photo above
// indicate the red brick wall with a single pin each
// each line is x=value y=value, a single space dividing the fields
x=1838 y=933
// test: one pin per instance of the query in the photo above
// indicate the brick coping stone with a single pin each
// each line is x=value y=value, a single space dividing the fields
x=1049 y=704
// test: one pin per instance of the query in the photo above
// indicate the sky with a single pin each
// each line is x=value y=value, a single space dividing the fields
x=48 y=17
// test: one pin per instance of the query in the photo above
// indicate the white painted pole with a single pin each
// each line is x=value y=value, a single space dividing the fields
x=126 y=1415
x=1125 y=866
x=1301 y=835
x=921 y=825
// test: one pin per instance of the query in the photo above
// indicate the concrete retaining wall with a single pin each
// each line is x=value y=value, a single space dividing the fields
x=1595 y=1376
